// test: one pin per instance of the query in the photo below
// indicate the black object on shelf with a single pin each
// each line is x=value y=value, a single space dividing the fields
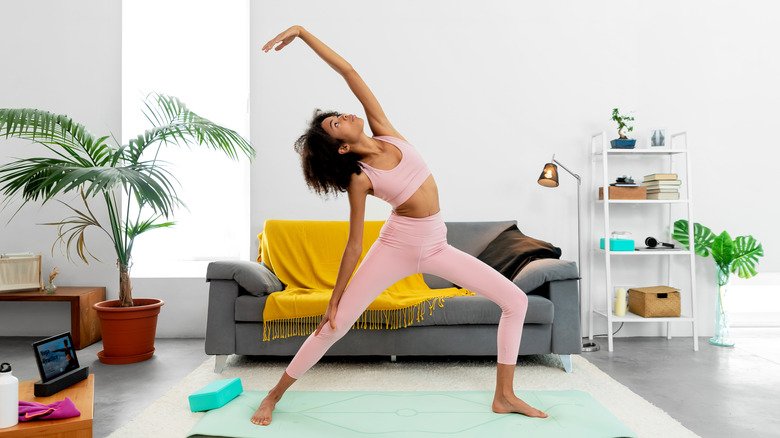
x=624 y=181
x=51 y=387
x=652 y=243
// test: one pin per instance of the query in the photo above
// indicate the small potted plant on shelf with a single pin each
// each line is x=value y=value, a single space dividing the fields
x=622 y=142
x=732 y=256
x=99 y=169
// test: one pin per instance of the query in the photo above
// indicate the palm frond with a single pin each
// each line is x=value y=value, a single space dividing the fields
x=175 y=123
x=78 y=224
x=72 y=140
x=138 y=228
x=46 y=177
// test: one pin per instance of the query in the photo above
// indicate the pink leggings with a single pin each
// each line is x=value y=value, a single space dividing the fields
x=406 y=246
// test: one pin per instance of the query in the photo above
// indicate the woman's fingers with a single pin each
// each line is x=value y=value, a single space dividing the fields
x=284 y=38
x=270 y=44
x=332 y=318
x=319 y=327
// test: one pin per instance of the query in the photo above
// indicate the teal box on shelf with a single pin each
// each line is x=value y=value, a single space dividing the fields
x=215 y=395
x=618 y=244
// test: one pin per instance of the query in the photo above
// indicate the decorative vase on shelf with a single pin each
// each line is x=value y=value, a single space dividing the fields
x=722 y=336
x=51 y=288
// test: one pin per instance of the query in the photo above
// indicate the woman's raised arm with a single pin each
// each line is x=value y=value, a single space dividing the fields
x=377 y=120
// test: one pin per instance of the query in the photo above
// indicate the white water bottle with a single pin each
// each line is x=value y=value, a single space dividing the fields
x=9 y=397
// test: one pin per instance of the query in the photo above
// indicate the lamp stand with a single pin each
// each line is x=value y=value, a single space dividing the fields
x=586 y=345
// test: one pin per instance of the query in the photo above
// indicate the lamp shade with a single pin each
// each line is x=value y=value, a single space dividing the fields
x=549 y=176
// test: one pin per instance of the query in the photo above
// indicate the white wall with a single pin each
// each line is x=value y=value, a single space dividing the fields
x=63 y=57
x=486 y=91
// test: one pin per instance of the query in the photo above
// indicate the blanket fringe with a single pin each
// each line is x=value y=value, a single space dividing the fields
x=369 y=319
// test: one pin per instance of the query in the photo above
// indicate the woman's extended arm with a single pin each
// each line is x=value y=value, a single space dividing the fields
x=358 y=190
x=377 y=120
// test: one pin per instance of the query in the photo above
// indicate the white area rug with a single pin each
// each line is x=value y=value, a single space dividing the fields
x=169 y=416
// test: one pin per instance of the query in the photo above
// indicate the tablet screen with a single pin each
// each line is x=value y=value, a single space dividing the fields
x=56 y=356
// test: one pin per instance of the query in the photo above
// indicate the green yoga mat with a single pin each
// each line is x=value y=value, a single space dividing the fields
x=411 y=414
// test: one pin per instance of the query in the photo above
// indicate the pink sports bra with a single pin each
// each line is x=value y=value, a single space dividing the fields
x=398 y=184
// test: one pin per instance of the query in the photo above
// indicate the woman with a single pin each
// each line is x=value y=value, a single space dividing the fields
x=337 y=156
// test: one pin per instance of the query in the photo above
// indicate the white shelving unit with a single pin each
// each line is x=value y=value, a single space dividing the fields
x=601 y=153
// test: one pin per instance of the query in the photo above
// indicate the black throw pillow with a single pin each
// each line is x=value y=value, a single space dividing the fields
x=512 y=250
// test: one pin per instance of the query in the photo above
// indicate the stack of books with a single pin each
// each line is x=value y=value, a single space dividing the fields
x=662 y=186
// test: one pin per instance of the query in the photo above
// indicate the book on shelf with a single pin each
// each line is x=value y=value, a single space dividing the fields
x=662 y=190
x=657 y=184
x=660 y=176
x=624 y=184
x=664 y=196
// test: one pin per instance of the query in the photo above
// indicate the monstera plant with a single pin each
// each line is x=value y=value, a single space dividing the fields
x=732 y=256
x=96 y=168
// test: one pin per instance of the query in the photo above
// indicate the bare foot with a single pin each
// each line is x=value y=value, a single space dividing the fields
x=506 y=404
x=262 y=416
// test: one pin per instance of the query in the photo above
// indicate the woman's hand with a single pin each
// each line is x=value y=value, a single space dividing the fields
x=285 y=38
x=330 y=315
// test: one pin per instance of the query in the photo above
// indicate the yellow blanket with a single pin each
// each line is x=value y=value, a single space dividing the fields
x=306 y=256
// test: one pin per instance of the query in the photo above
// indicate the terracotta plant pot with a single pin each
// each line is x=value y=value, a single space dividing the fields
x=128 y=332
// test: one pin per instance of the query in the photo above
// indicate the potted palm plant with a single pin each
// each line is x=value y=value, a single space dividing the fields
x=96 y=168
x=732 y=256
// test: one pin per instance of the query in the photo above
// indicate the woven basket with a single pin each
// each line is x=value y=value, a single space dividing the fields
x=655 y=301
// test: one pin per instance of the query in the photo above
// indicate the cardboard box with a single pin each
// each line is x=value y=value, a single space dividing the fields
x=655 y=301
x=624 y=192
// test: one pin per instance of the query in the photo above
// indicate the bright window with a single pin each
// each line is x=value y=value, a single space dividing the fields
x=754 y=302
x=197 y=51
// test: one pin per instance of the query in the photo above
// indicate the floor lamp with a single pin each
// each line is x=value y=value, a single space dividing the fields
x=549 y=178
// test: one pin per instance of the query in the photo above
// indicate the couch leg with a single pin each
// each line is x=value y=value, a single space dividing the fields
x=392 y=358
x=219 y=363
x=566 y=360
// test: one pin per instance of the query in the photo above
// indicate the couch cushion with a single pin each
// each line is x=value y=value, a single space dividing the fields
x=541 y=271
x=457 y=310
x=254 y=277
x=471 y=238
x=512 y=250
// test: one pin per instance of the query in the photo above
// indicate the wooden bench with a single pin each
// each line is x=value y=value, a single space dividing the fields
x=84 y=322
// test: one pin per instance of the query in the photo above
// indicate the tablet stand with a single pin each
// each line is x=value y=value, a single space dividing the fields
x=59 y=383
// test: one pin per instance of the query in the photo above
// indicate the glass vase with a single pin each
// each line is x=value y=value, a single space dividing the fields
x=50 y=288
x=722 y=337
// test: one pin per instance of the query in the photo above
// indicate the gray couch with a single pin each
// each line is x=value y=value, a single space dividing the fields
x=466 y=325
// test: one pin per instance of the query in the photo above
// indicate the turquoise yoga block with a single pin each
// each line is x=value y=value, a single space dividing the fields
x=215 y=395
x=618 y=244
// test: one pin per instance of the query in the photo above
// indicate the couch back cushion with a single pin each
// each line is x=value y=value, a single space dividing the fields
x=471 y=238
x=306 y=254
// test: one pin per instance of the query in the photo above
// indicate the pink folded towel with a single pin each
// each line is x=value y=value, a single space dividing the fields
x=54 y=411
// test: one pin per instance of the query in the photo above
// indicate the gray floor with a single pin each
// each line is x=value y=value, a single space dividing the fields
x=716 y=392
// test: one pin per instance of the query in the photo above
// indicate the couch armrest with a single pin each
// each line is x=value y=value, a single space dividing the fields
x=253 y=277
x=221 y=317
x=566 y=333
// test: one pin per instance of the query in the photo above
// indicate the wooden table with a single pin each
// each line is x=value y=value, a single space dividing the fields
x=81 y=394
x=84 y=322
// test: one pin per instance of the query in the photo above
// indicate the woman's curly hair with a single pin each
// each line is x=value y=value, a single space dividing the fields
x=324 y=168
